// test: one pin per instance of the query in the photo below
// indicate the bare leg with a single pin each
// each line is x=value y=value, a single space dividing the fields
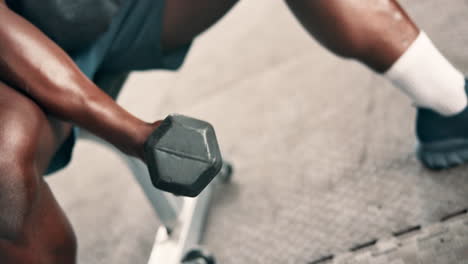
x=184 y=20
x=379 y=33
x=33 y=228
x=375 y=32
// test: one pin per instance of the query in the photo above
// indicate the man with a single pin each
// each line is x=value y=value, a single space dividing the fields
x=43 y=92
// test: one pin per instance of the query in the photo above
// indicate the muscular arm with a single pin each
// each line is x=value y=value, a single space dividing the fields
x=32 y=63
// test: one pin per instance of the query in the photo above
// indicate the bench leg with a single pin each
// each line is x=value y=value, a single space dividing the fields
x=183 y=219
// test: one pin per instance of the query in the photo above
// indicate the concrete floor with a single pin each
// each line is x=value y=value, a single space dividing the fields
x=295 y=121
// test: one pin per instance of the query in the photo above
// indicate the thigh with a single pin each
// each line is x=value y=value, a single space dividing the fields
x=33 y=228
x=28 y=140
x=183 y=20
x=46 y=236
x=152 y=34
x=26 y=131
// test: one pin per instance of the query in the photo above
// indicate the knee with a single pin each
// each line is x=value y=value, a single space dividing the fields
x=18 y=178
x=18 y=192
x=21 y=124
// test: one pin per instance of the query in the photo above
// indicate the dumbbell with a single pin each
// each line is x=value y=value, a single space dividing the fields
x=183 y=155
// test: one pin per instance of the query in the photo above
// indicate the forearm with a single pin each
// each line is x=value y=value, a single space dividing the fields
x=31 y=62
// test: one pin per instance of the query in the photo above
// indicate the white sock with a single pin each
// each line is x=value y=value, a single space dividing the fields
x=428 y=78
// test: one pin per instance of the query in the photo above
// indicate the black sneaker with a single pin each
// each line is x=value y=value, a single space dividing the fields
x=443 y=141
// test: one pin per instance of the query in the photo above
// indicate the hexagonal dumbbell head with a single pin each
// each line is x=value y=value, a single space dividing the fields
x=183 y=155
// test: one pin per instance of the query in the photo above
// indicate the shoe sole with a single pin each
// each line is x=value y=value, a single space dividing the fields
x=443 y=154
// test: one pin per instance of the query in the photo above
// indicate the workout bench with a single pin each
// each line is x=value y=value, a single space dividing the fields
x=182 y=218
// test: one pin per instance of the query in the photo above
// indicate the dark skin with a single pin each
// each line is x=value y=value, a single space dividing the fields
x=32 y=63
x=32 y=225
x=43 y=93
x=375 y=32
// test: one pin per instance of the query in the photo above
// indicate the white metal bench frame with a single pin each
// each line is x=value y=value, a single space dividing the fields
x=182 y=218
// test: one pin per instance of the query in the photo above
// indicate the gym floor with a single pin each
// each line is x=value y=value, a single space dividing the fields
x=323 y=151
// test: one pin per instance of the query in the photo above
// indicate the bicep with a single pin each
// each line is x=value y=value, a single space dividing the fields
x=29 y=58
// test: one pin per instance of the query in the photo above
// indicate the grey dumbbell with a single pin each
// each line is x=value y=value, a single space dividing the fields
x=183 y=155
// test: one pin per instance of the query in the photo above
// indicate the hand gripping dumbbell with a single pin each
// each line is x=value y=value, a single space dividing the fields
x=183 y=155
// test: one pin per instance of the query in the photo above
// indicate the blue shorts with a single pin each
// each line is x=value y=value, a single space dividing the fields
x=132 y=43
